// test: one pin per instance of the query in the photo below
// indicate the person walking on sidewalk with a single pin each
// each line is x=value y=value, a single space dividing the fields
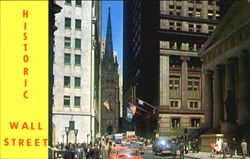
x=225 y=148
x=244 y=148
x=234 y=148
x=212 y=148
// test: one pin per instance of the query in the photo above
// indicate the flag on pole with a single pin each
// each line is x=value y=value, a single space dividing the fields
x=129 y=116
x=140 y=102
x=132 y=108
x=106 y=104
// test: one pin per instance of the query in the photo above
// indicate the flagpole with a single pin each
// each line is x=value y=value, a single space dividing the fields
x=150 y=105
x=139 y=107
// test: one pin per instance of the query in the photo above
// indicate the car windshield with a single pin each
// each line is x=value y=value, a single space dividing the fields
x=164 y=142
x=129 y=153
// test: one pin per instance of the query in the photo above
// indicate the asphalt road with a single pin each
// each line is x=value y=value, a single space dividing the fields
x=149 y=155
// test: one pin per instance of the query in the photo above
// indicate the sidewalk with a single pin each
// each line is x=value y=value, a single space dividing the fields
x=206 y=155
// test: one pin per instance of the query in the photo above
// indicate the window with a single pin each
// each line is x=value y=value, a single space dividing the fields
x=66 y=101
x=179 y=45
x=198 y=46
x=174 y=82
x=78 y=2
x=198 y=13
x=193 y=104
x=198 y=28
x=171 y=45
x=66 y=81
x=178 y=26
x=78 y=43
x=68 y=1
x=190 y=12
x=193 y=83
x=78 y=24
x=174 y=104
x=178 y=10
x=77 y=82
x=67 y=59
x=67 y=22
x=210 y=14
x=171 y=25
x=195 y=123
x=71 y=125
x=191 y=27
x=67 y=41
x=210 y=29
x=77 y=101
x=175 y=123
x=191 y=46
x=77 y=59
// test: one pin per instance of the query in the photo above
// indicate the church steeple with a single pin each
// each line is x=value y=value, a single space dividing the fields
x=109 y=42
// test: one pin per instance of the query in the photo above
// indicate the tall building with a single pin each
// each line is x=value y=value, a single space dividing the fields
x=76 y=104
x=110 y=83
x=161 y=65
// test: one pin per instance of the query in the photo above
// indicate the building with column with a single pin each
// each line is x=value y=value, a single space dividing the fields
x=161 y=64
x=226 y=67
x=110 y=88
x=76 y=68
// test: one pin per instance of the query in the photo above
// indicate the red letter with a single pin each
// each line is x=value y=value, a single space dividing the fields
x=26 y=58
x=28 y=142
x=25 y=94
x=14 y=125
x=25 y=13
x=25 y=70
x=25 y=82
x=21 y=142
x=25 y=36
x=13 y=141
x=25 y=126
x=32 y=126
x=25 y=26
x=25 y=47
x=6 y=142
x=45 y=142
x=37 y=142
x=39 y=126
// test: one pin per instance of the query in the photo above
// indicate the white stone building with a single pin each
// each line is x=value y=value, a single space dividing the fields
x=76 y=71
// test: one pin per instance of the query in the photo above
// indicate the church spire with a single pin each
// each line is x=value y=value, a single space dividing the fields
x=109 y=42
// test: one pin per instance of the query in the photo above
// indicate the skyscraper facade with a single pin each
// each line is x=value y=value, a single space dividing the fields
x=76 y=68
x=161 y=65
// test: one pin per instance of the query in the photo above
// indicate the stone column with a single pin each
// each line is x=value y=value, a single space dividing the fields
x=218 y=96
x=229 y=98
x=244 y=88
x=164 y=80
x=184 y=77
x=208 y=99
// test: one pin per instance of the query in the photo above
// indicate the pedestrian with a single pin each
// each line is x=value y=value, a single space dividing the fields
x=234 y=148
x=218 y=146
x=197 y=146
x=87 y=152
x=225 y=148
x=212 y=148
x=244 y=148
x=67 y=154
x=80 y=153
x=95 y=152
x=193 y=145
x=181 y=149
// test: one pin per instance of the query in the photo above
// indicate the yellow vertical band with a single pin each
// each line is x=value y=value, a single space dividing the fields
x=24 y=79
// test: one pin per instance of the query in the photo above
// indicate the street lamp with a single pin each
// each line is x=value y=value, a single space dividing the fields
x=67 y=133
x=75 y=131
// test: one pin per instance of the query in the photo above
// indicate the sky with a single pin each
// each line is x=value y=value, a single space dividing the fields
x=116 y=8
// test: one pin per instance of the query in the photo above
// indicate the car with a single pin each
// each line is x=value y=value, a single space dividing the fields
x=163 y=146
x=114 y=151
x=129 y=153
x=138 y=146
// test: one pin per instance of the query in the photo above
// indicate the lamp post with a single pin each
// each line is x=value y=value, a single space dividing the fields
x=67 y=134
x=76 y=131
x=87 y=138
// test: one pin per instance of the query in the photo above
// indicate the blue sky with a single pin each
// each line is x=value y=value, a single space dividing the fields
x=117 y=25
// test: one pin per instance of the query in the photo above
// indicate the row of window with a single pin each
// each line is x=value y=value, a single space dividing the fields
x=77 y=101
x=67 y=59
x=176 y=123
x=77 y=83
x=78 y=23
x=77 y=2
x=193 y=84
x=180 y=45
x=67 y=43
x=191 y=104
